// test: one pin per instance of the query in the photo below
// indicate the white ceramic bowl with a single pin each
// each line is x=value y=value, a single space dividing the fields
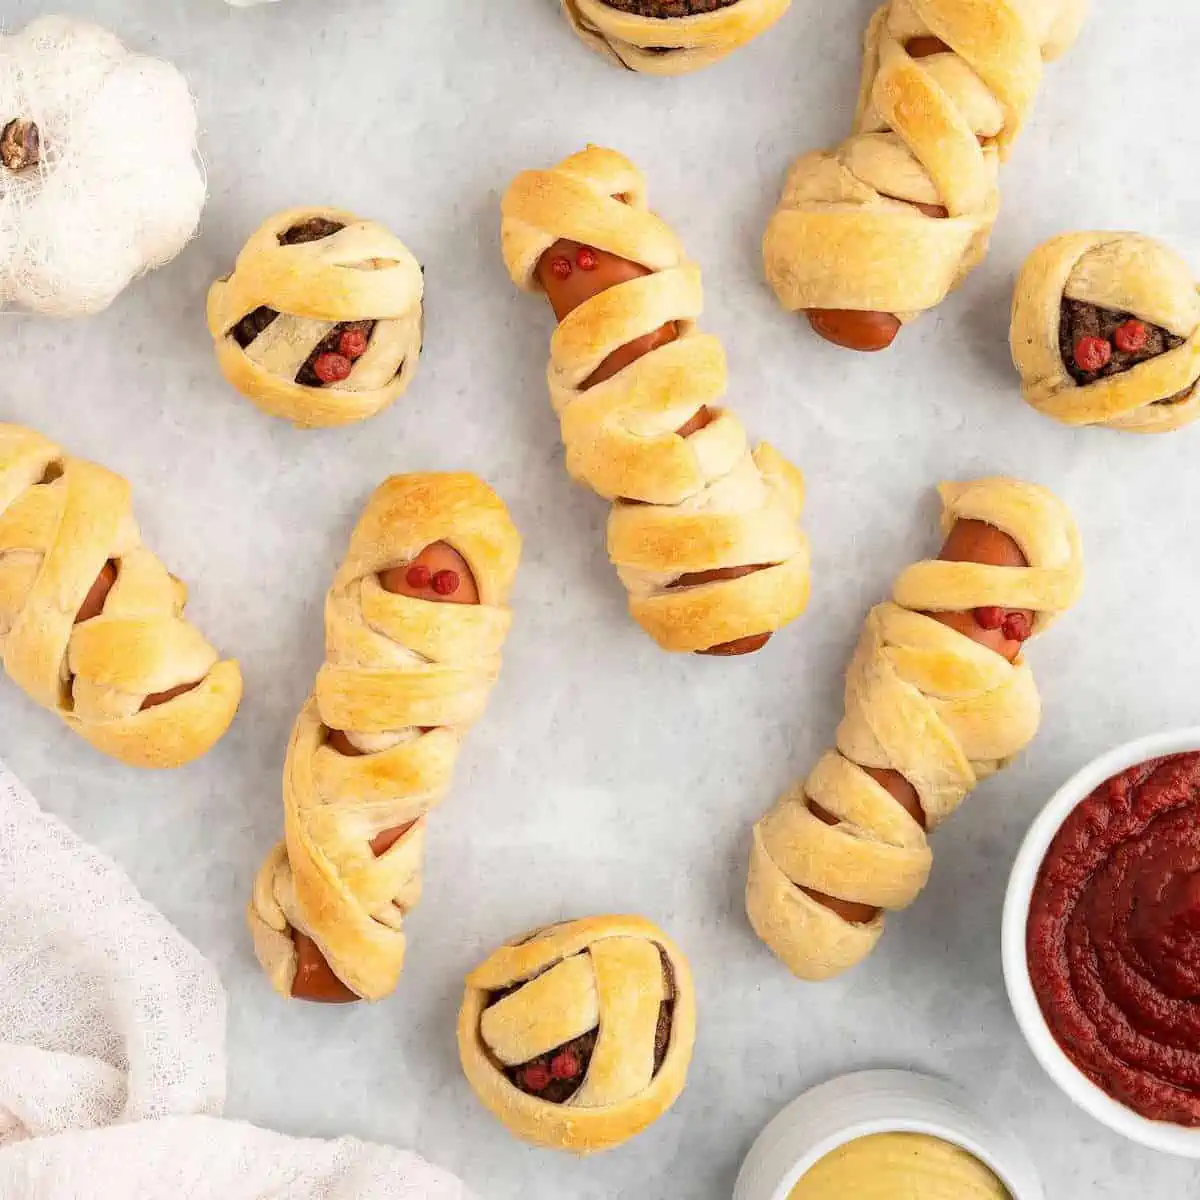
x=870 y=1102
x=1158 y=1135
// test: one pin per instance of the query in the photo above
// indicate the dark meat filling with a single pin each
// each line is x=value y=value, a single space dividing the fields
x=1078 y=319
x=666 y=1012
x=665 y=9
x=662 y=1033
x=252 y=324
x=559 y=1073
x=313 y=230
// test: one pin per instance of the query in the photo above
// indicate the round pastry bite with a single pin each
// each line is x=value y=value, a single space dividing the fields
x=1106 y=331
x=670 y=37
x=578 y=1036
x=321 y=320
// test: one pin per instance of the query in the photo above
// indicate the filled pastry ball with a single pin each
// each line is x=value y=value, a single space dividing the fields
x=1106 y=331
x=321 y=320
x=578 y=1036
x=670 y=37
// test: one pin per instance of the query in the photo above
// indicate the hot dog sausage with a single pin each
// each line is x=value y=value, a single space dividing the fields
x=93 y=602
x=571 y=273
x=866 y=332
x=315 y=979
x=157 y=698
x=926 y=47
x=968 y=541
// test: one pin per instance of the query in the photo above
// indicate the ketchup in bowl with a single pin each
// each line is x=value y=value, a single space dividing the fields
x=1113 y=938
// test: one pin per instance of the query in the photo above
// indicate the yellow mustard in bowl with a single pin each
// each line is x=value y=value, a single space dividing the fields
x=899 y=1166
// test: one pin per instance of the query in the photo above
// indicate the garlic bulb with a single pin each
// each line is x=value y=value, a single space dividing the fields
x=99 y=175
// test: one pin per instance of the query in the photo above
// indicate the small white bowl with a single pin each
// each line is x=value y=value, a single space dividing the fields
x=857 y=1106
x=1158 y=1135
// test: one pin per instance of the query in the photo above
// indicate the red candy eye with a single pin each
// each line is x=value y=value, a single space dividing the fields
x=564 y=1065
x=561 y=268
x=586 y=258
x=353 y=343
x=989 y=617
x=1016 y=627
x=536 y=1077
x=1130 y=337
x=417 y=576
x=445 y=583
x=331 y=368
x=1092 y=353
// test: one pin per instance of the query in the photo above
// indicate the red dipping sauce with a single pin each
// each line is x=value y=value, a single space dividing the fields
x=1113 y=938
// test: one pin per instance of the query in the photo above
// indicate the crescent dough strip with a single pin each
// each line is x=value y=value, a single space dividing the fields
x=922 y=700
x=671 y=45
x=683 y=505
x=1123 y=275
x=406 y=678
x=360 y=272
x=929 y=131
x=62 y=521
x=618 y=983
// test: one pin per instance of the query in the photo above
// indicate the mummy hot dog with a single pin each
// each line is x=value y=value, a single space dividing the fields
x=938 y=697
x=703 y=531
x=414 y=624
x=91 y=623
x=1106 y=331
x=670 y=37
x=872 y=234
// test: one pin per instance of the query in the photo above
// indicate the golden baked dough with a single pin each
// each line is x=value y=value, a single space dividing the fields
x=1124 y=275
x=347 y=270
x=65 y=523
x=848 y=233
x=404 y=678
x=926 y=701
x=682 y=505
x=612 y=999
x=671 y=45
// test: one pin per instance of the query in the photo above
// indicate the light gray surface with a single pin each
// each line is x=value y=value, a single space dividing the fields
x=607 y=775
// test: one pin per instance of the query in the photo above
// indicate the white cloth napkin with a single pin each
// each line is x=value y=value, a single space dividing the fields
x=112 y=1050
